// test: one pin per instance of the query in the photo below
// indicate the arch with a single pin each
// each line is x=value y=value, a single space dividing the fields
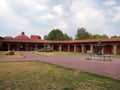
x=64 y=48
x=118 y=50
x=14 y=47
x=71 y=48
x=22 y=47
x=108 y=49
x=40 y=46
x=5 y=47
x=94 y=48
x=78 y=48
x=86 y=48
x=56 y=47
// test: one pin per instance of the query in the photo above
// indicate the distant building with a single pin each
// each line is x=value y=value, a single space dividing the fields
x=24 y=43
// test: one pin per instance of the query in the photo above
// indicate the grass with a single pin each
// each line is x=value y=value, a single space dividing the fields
x=44 y=76
x=116 y=56
x=67 y=54
x=59 y=53
x=17 y=55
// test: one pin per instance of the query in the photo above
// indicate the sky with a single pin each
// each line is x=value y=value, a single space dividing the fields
x=39 y=17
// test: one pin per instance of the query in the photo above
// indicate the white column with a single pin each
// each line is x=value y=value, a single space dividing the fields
x=52 y=47
x=18 y=47
x=36 y=47
x=82 y=48
x=114 y=49
x=91 y=48
x=60 y=47
x=74 y=48
x=68 y=48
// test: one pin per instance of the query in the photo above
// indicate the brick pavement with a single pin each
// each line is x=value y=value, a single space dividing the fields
x=79 y=62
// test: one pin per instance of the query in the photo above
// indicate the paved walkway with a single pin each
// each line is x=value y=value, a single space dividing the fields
x=79 y=62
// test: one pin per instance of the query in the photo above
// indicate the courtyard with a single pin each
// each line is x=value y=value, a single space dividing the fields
x=75 y=61
x=30 y=70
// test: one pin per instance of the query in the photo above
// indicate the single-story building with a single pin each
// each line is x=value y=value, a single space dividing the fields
x=25 y=43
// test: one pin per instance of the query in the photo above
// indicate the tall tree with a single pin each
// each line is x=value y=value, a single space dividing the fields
x=81 y=34
x=104 y=36
x=57 y=34
x=114 y=36
x=66 y=37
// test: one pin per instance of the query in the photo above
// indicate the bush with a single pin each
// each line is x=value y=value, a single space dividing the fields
x=46 y=49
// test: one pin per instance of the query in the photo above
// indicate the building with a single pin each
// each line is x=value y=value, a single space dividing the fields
x=24 y=43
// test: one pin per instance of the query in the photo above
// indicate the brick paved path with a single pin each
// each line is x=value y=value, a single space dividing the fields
x=79 y=62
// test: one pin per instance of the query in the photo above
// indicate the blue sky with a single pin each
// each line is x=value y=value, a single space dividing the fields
x=39 y=17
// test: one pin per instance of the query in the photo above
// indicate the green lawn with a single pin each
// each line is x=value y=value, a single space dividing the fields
x=66 y=54
x=59 y=53
x=17 y=55
x=44 y=76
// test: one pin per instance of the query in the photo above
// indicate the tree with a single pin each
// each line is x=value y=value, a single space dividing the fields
x=97 y=36
x=81 y=34
x=104 y=36
x=114 y=36
x=66 y=37
x=57 y=34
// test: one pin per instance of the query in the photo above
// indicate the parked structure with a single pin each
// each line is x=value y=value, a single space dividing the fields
x=24 y=43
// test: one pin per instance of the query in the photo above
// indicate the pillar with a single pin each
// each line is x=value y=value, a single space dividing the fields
x=36 y=47
x=114 y=49
x=18 y=47
x=52 y=47
x=8 y=46
x=68 y=48
x=74 y=48
x=91 y=48
x=60 y=47
x=82 y=48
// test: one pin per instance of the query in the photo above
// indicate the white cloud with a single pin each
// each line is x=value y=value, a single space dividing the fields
x=46 y=16
x=86 y=15
x=78 y=5
x=62 y=25
x=109 y=3
x=116 y=16
x=58 y=9
x=40 y=7
x=41 y=16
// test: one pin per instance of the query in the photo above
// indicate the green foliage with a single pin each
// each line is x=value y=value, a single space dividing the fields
x=46 y=49
x=81 y=34
x=98 y=36
x=66 y=37
x=57 y=34
x=115 y=36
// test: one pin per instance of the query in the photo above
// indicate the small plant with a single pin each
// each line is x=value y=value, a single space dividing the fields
x=46 y=49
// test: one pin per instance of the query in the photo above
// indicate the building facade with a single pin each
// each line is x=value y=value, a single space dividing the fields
x=24 y=43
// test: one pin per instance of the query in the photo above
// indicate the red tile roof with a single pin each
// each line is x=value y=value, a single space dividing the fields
x=8 y=37
x=63 y=41
x=22 y=37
